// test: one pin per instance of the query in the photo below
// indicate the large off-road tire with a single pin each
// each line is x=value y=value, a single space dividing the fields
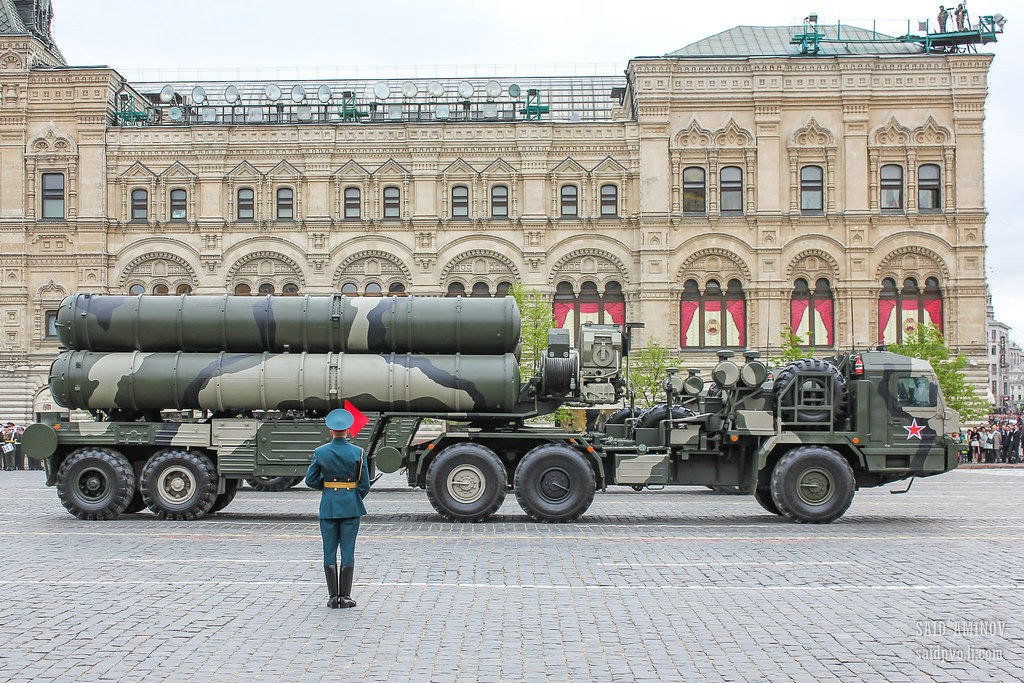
x=224 y=499
x=813 y=484
x=840 y=389
x=179 y=484
x=466 y=482
x=764 y=499
x=620 y=416
x=95 y=483
x=652 y=416
x=272 y=483
x=554 y=483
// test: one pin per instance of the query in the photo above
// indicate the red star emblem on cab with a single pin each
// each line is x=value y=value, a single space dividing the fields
x=914 y=430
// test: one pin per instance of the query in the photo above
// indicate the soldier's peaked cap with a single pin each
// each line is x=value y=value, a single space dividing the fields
x=339 y=420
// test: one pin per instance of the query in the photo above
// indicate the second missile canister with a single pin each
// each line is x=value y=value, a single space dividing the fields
x=277 y=324
x=285 y=381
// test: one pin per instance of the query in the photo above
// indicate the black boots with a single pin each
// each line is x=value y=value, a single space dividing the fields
x=331 y=573
x=345 y=600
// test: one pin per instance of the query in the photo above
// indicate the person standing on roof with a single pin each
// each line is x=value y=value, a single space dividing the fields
x=339 y=469
x=943 y=18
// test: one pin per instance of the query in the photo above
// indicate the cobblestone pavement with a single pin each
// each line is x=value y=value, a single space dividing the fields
x=682 y=584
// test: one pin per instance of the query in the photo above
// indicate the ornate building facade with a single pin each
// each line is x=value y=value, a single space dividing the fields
x=718 y=193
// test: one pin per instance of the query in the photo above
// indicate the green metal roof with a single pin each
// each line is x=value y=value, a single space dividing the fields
x=775 y=41
x=10 y=20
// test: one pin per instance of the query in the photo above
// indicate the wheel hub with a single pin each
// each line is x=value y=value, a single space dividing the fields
x=93 y=485
x=466 y=484
x=555 y=483
x=815 y=486
x=176 y=485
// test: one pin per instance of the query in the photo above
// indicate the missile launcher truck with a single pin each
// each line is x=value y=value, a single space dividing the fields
x=192 y=394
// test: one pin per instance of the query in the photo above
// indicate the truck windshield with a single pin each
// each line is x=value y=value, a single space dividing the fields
x=915 y=392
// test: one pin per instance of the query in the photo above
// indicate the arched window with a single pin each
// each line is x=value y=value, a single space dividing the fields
x=503 y=289
x=589 y=305
x=715 y=318
x=285 y=203
x=891 y=186
x=481 y=289
x=161 y=290
x=929 y=188
x=140 y=205
x=183 y=289
x=265 y=289
x=609 y=200
x=353 y=203
x=242 y=290
x=135 y=290
x=290 y=289
x=902 y=311
x=694 y=191
x=732 y=189
x=811 y=313
x=456 y=289
x=392 y=202
x=246 y=204
x=812 y=190
x=396 y=289
x=499 y=201
x=373 y=289
x=179 y=210
x=349 y=289
x=570 y=200
x=460 y=201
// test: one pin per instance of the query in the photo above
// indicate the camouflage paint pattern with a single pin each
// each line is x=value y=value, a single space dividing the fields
x=276 y=324
x=288 y=381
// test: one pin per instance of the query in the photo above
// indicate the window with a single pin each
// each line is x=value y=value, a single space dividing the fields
x=265 y=289
x=178 y=210
x=140 y=205
x=161 y=290
x=503 y=289
x=929 y=194
x=349 y=289
x=609 y=200
x=892 y=187
x=353 y=203
x=183 y=289
x=732 y=189
x=246 y=205
x=694 y=191
x=499 y=201
x=373 y=289
x=396 y=289
x=713 y=319
x=812 y=190
x=285 y=204
x=243 y=290
x=916 y=392
x=135 y=290
x=902 y=311
x=53 y=195
x=810 y=313
x=51 y=325
x=456 y=289
x=290 y=289
x=392 y=202
x=589 y=305
x=460 y=201
x=570 y=197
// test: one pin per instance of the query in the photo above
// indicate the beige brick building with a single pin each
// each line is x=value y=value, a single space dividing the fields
x=717 y=193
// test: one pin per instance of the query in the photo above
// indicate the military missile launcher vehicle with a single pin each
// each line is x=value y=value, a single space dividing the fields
x=193 y=394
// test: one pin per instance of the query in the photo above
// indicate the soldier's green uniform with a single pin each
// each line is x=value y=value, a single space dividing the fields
x=340 y=471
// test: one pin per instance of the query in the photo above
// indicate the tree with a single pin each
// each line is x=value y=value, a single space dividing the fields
x=538 y=317
x=790 y=349
x=647 y=372
x=928 y=344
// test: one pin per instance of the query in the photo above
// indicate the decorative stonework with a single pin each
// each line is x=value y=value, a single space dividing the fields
x=589 y=264
x=713 y=263
x=372 y=263
x=158 y=264
x=912 y=260
x=813 y=263
x=480 y=263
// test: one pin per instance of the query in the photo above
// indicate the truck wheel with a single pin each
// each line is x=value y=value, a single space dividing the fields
x=179 y=484
x=466 y=482
x=652 y=416
x=95 y=483
x=620 y=416
x=812 y=484
x=554 y=483
x=764 y=499
x=840 y=389
x=272 y=483
x=224 y=499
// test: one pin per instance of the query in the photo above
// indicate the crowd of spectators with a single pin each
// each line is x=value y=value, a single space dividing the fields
x=10 y=447
x=999 y=441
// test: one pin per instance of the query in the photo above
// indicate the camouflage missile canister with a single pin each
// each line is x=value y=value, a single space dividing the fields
x=288 y=381
x=314 y=324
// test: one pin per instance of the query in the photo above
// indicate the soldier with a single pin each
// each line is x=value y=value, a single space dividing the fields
x=960 y=14
x=340 y=471
x=7 y=446
x=943 y=17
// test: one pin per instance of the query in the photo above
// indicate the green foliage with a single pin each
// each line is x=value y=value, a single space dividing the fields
x=927 y=343
x=538 y=317
x=791 y=348
x=648 y=369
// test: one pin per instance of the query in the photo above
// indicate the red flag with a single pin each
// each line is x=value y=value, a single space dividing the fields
x=360 y=419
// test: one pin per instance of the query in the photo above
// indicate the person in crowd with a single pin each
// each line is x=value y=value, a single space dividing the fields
x=975 y=444
x=986 y=444
x=19 y=454
x=7 y=446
